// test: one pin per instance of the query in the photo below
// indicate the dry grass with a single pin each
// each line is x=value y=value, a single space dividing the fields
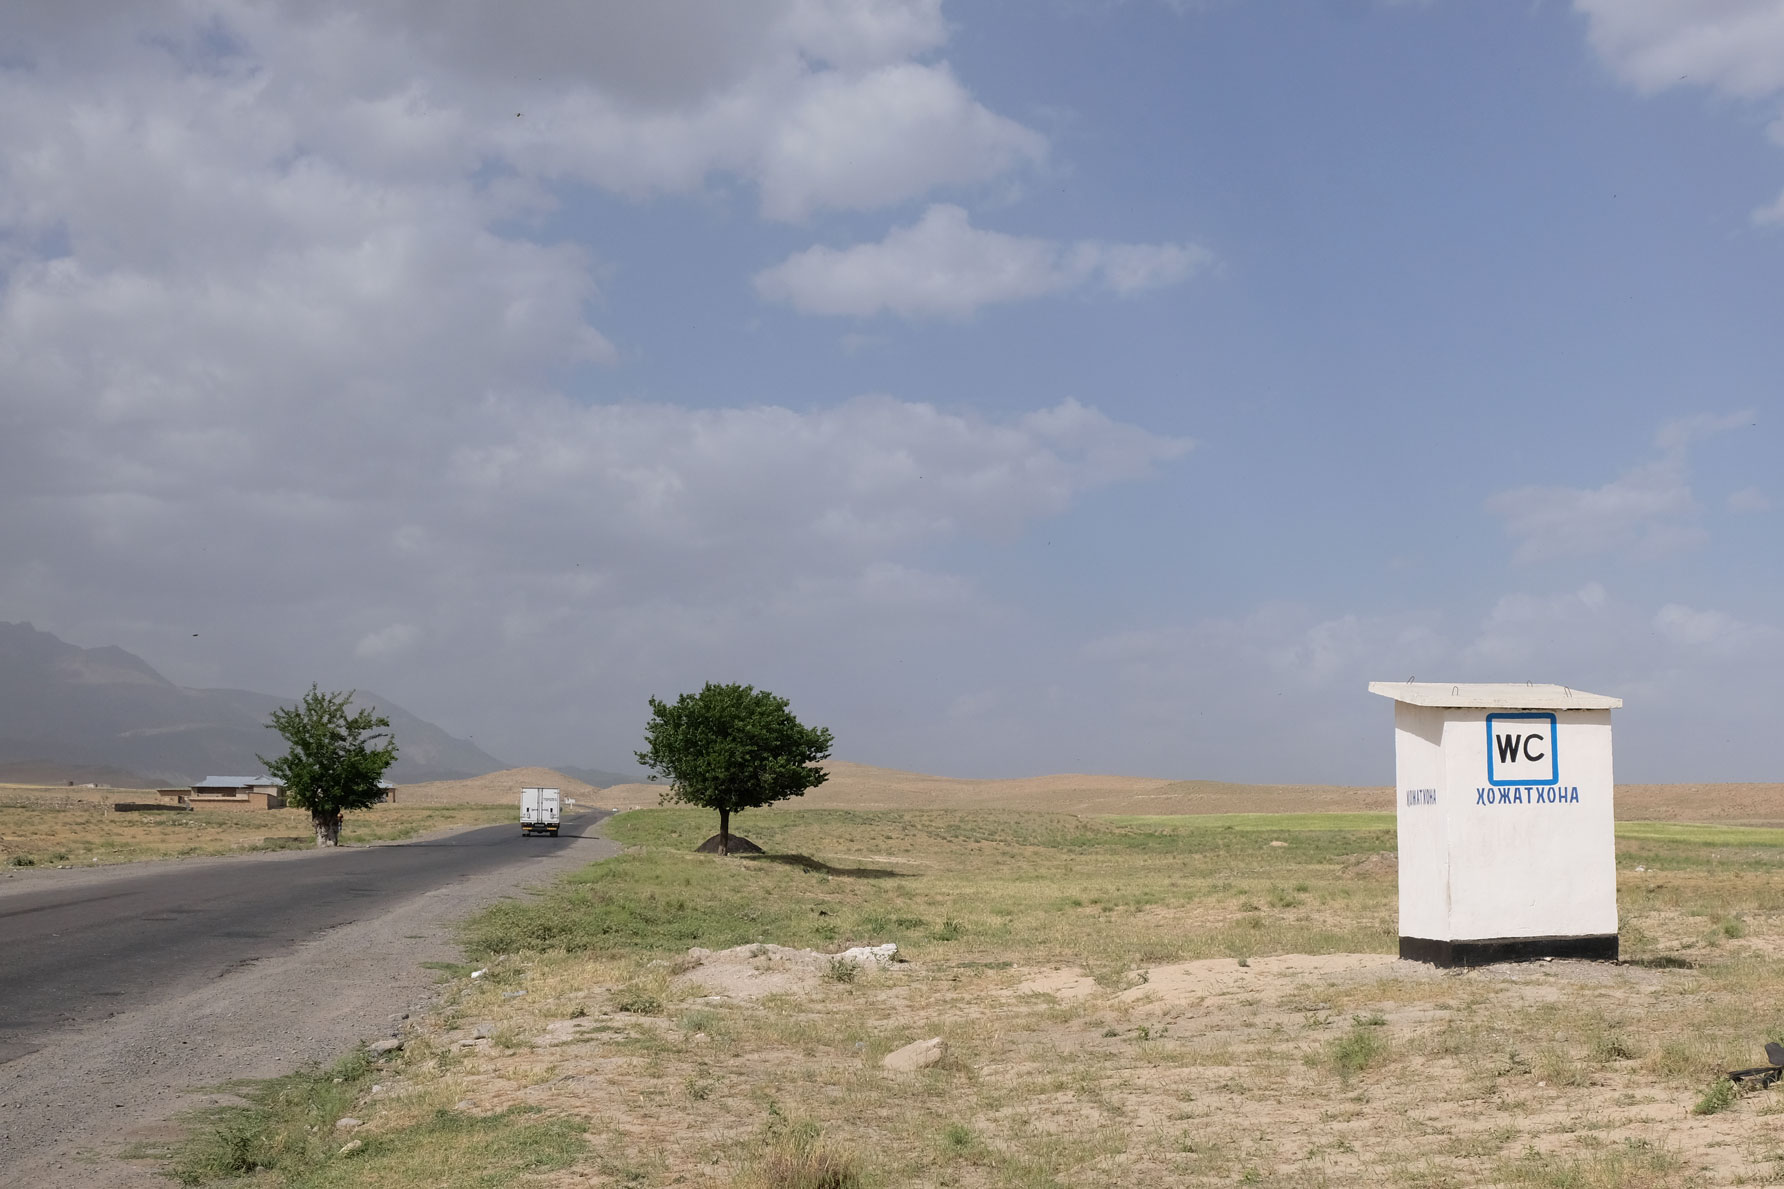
x=49 y=828
x=1151 y=1001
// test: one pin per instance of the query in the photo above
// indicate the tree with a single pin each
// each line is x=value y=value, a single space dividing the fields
x=731 y=748
x=331 y=765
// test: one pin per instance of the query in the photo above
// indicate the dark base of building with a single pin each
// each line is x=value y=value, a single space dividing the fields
x=1600 y=947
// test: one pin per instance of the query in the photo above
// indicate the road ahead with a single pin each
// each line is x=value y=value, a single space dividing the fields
x=79 y=954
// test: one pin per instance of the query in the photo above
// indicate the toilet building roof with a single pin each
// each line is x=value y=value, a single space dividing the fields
x=1506 y=695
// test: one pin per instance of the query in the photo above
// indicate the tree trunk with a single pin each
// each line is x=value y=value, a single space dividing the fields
x=724 y=831
x=328 y=828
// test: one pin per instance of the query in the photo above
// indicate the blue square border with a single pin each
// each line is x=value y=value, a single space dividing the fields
x=1554 y=750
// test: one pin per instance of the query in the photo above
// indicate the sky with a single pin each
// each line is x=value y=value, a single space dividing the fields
x=1065 y=385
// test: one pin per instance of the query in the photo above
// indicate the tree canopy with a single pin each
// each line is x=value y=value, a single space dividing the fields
x=335 y=760
x=731 y=748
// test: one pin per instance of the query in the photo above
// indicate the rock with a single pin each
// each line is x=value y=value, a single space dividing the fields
x=1279 y=844
x=463 y=1104
x=701 y=1038
x=389 y=1044
x=350 y=1147
x=920 y=1054
x=870 y=955
x=512 y=994
x=482 y=1031
x=348 y=1123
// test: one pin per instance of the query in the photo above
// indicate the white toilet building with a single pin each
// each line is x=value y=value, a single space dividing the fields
x=1507 y=849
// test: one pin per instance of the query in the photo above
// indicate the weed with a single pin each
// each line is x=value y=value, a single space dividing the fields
x=21 y=861
x=638 y=1001
x=1355 y=1051
x=1719 y=1097
x=841 y=970
x=1633 y=1164
x=796 y=1156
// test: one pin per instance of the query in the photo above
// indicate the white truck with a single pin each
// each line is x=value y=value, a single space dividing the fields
x=540 y=810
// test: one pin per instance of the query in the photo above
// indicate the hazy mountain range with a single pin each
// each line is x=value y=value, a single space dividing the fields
x=103 y=714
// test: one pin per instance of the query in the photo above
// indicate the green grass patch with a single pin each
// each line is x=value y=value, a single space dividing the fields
x=283 y=1132
x=968 y=885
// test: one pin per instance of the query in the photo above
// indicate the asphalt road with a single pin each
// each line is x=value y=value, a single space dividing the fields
x=77 y=955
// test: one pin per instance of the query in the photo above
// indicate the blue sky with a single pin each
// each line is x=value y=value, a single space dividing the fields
x=1017 y=387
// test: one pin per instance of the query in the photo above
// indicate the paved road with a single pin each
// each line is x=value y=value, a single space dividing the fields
x=79 y=954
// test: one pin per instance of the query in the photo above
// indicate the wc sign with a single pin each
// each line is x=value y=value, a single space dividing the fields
x=1521 y=749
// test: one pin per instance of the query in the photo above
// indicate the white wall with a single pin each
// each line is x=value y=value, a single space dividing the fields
x=1512 y=861
x=1424 y=849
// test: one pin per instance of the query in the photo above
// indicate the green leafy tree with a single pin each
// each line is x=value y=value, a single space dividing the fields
x=334 y=761
x=731 y=748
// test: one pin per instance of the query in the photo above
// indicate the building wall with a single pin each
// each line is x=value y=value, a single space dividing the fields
x=1420 y=802
x=1505 y=860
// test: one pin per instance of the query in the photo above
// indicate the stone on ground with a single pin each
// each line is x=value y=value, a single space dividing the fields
x=919 y=1054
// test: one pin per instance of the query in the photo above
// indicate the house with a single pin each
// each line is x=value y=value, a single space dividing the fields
x=236 y=792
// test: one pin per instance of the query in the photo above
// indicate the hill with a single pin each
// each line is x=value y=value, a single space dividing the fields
x=497 y=788
x=69 y=713
x=858 y=786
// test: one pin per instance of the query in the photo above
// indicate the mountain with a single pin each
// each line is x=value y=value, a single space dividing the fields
x=80 y=709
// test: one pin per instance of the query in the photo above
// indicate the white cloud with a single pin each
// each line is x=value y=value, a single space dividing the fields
x=1770 y=215
x=1749 y=499
x=1735 y=46
x=1646 y=512
x=283 y=341
x=1713 y=631
x=942 y=266
x=387 y=641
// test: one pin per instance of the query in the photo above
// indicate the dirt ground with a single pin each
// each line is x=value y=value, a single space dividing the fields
x=1203 y=1072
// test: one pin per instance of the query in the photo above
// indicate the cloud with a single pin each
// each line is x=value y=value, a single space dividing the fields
x=942 y=266
x=816 y=103
x=287 y=339
x=1712 y=631
x=1646 y=512
x=1734 y=46
x=387 y=641
x=1749 y=499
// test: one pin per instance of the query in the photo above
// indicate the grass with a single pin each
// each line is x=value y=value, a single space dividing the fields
x=283 y=1131
x=60 y=830
x=927 y=881
x=1123 y=1001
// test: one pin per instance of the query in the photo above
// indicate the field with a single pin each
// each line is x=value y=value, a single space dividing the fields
x=56 y=826
x=1124 y=1001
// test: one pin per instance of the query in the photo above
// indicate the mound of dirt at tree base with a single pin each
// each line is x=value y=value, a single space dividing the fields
x=739 y=846
x=498 y=788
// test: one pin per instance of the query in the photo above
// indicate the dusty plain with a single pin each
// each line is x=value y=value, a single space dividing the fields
x=1124 y=1000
